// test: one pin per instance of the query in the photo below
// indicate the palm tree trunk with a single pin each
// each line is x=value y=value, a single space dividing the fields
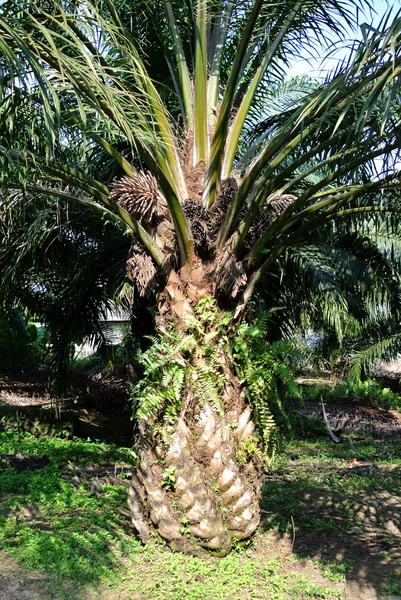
x=198 y=482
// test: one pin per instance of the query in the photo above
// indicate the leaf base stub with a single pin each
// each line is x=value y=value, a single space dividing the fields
x=195 y=493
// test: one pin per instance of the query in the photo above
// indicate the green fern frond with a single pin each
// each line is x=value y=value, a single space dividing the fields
x=207 y=390
x=262 y=368
x=175 y=362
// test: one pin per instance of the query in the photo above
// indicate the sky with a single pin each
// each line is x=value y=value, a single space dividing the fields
x=316 y=68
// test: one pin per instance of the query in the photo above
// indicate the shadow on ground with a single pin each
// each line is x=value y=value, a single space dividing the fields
x=346 y=515
x=55 y=519
x=333 y=505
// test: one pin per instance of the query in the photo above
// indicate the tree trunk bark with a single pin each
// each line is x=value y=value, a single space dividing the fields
x=198 y=480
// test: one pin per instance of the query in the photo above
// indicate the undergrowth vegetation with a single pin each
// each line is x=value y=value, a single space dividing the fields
x=80 y=538
x=268 y=378
x=267 y=370
x=20 y=340
x=53 y=524
x=175 y=363
x=369 y=390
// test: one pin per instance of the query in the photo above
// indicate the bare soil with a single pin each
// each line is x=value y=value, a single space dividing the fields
x=17 y=584
x=94 y=406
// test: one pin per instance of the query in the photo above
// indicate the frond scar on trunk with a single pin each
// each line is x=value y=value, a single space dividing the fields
x=230 y=275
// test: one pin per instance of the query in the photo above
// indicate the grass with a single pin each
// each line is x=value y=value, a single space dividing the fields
x=309 y=474
x=335 y=572
x=47 y=523
x=393 y=586
x=84 y=545
x=238 y=576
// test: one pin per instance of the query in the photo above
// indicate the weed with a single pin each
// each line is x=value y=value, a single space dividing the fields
x=393 y=584
x=335 y=571
x=304 y=590
x=369 y=389
x=169 y=478
x=69 y=533
x=82 y=542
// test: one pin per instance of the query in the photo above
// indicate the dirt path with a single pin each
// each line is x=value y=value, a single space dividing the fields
x=17 y=584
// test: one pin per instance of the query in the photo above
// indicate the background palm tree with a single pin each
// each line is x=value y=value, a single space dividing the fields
x=207 y=224
x=37 y=250
x=347 y=270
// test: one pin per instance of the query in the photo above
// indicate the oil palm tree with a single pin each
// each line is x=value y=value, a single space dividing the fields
x=37 y=249
x=166 y=90
x=350 y=269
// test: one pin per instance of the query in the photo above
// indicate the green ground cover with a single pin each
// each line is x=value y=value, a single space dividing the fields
x=319 y=508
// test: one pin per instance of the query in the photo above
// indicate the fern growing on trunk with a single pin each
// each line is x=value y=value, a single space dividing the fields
x=201 y=478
